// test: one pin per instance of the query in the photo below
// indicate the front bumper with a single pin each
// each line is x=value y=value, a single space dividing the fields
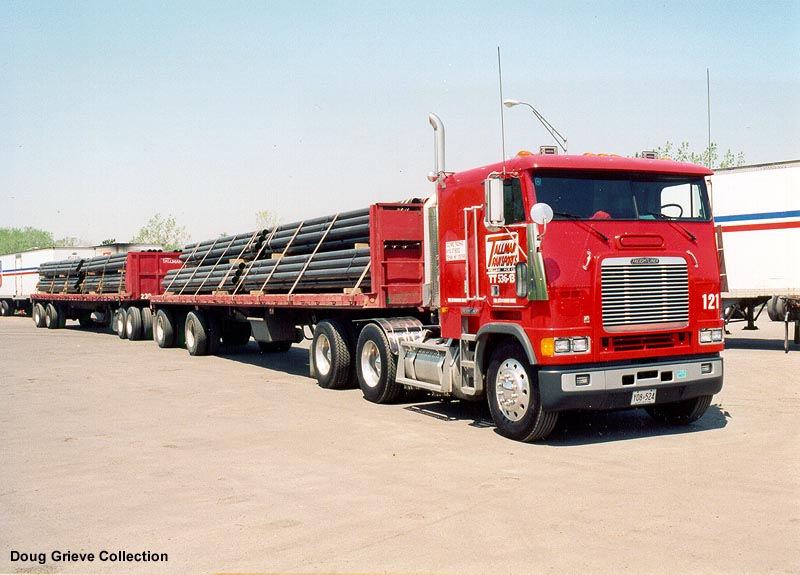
x=612 y=387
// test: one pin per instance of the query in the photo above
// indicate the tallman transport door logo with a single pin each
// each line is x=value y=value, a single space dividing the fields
x=502 y=254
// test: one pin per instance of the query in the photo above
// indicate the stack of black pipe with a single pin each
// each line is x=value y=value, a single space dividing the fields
x=105 y=274
x=62 y=276
x=271 y=260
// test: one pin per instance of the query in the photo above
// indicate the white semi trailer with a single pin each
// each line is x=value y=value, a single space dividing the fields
x=757 y=212
x=19 y=271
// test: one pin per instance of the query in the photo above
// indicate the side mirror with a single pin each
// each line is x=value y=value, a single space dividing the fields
x=494 y=215
x=541 y=214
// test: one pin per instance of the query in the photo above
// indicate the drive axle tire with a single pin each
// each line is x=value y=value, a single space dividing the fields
x=164 y=328
x=330 y=354
x=376 y=366
x=133 y=323
x=5 y=308
x=513 y=396
x=38 y=315
x=681 y=412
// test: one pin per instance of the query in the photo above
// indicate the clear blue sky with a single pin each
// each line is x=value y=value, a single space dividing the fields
x=211 y=111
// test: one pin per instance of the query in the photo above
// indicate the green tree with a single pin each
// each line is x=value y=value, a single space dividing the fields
x=109 y=241
x=267 y=219
x=164 y=231
x=708 y=157
x=21 y=239
x=70 y=242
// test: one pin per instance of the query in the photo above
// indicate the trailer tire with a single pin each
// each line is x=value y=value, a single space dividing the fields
x=274 y=346
x=133 y=323
x=513 y=396
x=196 y=331
x=147 y=323
x=376 y=366
x=38 y=315
x=330 y=354
x=213 y=335
x=681 y=412
x=5 y=308
x=236 y=333
x=164 y=329
x=51 y=317
x=121 y=319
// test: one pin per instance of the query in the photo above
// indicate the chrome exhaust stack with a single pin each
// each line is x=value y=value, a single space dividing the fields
x=438 y=139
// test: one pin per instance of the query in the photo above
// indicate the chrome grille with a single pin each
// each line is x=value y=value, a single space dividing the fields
x=644 y=292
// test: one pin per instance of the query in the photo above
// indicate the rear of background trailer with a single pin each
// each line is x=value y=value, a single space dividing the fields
x=757 y=211
x=19 y=271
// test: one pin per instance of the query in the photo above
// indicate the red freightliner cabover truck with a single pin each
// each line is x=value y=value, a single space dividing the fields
x=110 y=289
x=541 y=284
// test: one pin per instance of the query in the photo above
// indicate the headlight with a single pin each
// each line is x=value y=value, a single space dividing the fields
x=580 y=344
x=711 y=335
x=561 y=345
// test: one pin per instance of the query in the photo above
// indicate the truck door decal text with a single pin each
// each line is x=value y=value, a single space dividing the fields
x=502 y=254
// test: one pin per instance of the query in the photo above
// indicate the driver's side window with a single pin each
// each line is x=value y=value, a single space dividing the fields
x=513 y=206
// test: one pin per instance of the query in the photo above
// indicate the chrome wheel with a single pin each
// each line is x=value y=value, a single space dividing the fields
x=160 y=329
x=513 y=390
x=322 y=354
x=371 y=364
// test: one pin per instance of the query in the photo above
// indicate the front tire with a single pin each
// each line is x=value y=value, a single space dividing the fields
x=681 y=412
x=376 y=366
x=513 y=395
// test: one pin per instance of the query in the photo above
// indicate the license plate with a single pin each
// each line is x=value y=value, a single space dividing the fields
x=643 y=397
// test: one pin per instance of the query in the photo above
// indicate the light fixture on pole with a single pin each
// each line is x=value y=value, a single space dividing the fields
x=560 y=140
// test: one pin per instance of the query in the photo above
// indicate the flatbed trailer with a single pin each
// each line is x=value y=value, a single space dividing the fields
x=126 y=309
x=390 y=284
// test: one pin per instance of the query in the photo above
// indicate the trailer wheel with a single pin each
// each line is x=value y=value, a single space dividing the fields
x=213 y=332
x=5 y=308
x=51 y=317
x=196 y=333
x=133 y=323
x=122 y=320
x=164 y=330
x=236 y=333
x=38 y=315
x=513 y=396
x=330 y=354
x=681 y=412
x=376 y=366
x=147 y=323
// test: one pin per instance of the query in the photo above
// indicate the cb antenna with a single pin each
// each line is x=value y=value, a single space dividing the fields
x=502 y=112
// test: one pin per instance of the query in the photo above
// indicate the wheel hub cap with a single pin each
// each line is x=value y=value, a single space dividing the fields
x=513 y=390
x=322 y=354
x=371 y=364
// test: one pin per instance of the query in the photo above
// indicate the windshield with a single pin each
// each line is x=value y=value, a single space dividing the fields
x=622 y=196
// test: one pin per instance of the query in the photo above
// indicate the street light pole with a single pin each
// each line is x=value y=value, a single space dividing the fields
x=560 y=140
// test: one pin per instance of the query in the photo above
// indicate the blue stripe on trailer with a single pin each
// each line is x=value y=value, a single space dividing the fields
x=762 y=216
